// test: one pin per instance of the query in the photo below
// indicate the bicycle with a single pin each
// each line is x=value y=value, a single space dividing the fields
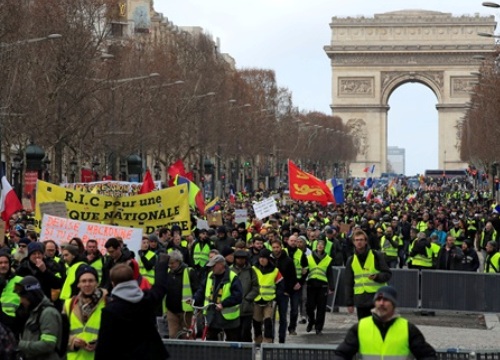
x=192 y=332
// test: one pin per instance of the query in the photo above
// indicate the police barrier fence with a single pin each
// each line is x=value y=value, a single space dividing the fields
x=209 y=350
x=326 y=352
x=435 y=290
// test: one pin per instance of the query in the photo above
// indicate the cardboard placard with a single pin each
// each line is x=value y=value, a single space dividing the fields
x=214 y=218
x=240 y=216
x=54 y=208
x=344 y=228
x=265 y=208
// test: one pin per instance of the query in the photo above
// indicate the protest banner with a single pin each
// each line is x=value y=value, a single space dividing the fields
x=265 y=208
x=62 y=230
x=109 y=188
x=202 y=224
x=150 y=211
x=240 y=216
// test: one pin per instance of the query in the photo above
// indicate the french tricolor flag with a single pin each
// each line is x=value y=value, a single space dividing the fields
x=232 y=197
x=9 y=202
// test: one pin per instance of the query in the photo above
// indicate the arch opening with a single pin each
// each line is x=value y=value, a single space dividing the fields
x=413 y=126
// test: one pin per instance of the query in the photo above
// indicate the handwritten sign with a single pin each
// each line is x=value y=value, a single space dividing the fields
x=55 y=208
x=61 y=230
x=240 y=216
x=214 y=219
x=265 y=208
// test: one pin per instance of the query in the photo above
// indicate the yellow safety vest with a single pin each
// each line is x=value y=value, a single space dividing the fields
x=491 y=265
x=97 y=264
x=229 y=313
x=70 y=279
x=362 y=283
x=9 y=299
x=187 y=293
x=148 y=274
x=267 y=285
x=87 y=331
x=297 y=260
x=425 y=261
x=318 y=271
x=387 y=247
x=200 y=254
x=395 y=345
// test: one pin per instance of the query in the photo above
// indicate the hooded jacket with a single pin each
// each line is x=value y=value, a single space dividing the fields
x=128 y=321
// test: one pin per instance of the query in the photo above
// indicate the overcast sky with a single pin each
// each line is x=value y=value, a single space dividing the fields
x=288 y=36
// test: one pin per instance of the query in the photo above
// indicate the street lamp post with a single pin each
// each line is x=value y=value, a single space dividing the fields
x=16 y=171
x=73 y=164
x=157 y=170
x=6 y=47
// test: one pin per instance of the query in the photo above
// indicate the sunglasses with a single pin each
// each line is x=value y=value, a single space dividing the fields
x=23 y=246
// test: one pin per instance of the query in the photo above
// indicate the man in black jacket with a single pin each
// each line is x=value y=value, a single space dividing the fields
x=369 y=335
x=367 y=269
x=116 y=255
x=128 y=322
x=286 y=267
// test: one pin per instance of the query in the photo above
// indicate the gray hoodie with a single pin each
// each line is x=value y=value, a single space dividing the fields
x=129 y=291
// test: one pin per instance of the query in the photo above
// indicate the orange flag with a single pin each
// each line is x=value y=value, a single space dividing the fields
x=307 y=187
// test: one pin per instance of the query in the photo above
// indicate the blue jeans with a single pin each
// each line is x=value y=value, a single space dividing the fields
x=282 y=304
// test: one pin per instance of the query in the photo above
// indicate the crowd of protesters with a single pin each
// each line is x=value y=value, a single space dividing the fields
x=259 y=279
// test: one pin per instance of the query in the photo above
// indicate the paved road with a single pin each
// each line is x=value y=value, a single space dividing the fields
x=469 y=332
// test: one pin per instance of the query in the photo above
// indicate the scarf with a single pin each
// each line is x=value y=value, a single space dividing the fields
x=88 y=307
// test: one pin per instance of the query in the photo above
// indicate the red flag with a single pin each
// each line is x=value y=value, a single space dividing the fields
x=9 y=202
x=190 y=176
x=175 y=169
x=148 y=184
x=306 y=187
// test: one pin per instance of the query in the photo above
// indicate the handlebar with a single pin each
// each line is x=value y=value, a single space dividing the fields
x=204 y=307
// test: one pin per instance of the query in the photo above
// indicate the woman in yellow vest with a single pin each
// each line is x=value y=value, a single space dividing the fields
x=319 y=284
x=384 y=334
x=84 y=314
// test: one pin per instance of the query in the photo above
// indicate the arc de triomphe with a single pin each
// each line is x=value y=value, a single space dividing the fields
x=371 y=57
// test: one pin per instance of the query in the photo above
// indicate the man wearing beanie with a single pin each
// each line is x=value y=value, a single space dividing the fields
x=270 y=283
x=42 y=334
x=21 y=252
x=84 y=314
x=370 y=336
x=9 y=300
x=36 y=265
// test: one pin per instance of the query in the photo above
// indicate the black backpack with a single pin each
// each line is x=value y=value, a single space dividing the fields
x=61 y=350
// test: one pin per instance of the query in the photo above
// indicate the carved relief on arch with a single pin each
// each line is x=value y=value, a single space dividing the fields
x=359 y=130
x=433 y=79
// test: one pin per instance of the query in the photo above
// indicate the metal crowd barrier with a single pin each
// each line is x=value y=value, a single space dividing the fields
x=209 y=350
x=460 y=291
x=326 y=352
x=437 y=290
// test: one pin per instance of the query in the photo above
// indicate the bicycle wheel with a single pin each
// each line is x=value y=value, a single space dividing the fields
x=184 y=335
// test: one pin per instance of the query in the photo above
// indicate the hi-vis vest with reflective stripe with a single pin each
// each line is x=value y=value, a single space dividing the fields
x=9 y=299
x=87 y=331
x=267 y=285
x=200 y=254
x=229 y=313
x=491 y=264
x=425 y=261
x=395 y=345
x=297 y=262
x=328 y=246
x=148 y=274
x=70 y=279
x=318 y=271
x=187 y=293
x=362 y=284
x=386 y=246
